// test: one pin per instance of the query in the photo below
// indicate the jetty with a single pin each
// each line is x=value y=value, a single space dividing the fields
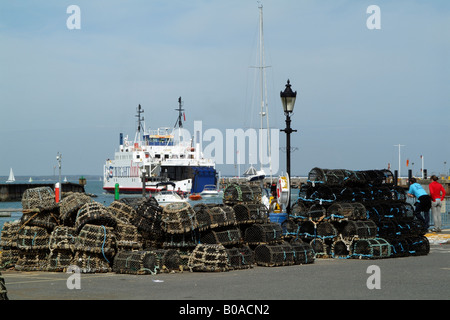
x=10 y=192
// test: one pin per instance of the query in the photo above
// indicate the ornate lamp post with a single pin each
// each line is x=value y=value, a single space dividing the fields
x=288 y=100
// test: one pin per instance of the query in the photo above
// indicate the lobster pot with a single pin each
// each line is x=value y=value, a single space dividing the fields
x=362 y=229
x=121 y=211
x=69 y=206
x=371 y=248
x=208 y=257
x=328 y=176
x=9 y=257
x=178 y=217
x=62 y=238
x=303 y=253
x=378 y=177
x=203 y=215
x=42 y=198
x=316 y=212
x=90 y=262
x=185 y=240
x=135 y=262
x=44 y=219
x=33 y=238
x=319 y=193
x=94 y=213
x=411 y=228
x=128 y=237
x=299 y=211
x=133 y=202
x=320 y=248
x=263 y=233
x=346 y=210
x=240 y=258
x=226 y=237
x=148 y=208
x=214 y=216
x=32 y=260
x=376 y=212
x=273 y=255
x=381 y=193
x=151 y=227
x=290 y=229
x=59 y=260
x=307 y=230
x=250 y=213
x=96 y=239
x=418 y=246
x=10 y=234
x=340 y=249
x=387 y=228
x=407 y=211
x=168 y=260
x=398 y=193
x=326 y=231
x=241 y=193
x=399 y=247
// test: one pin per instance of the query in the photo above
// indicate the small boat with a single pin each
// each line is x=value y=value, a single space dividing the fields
x=209 y=190
x=11 y=176
x=165 y=197
x=195 y=197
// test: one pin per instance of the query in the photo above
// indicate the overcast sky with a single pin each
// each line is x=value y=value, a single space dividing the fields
x=360 y=91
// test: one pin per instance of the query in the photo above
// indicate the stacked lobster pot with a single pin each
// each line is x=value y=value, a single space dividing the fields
x=8 y=244
x=40 y=217
x=355 y=214
x=95 y=244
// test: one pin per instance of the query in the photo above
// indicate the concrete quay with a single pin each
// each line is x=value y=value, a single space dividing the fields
x=402 y=278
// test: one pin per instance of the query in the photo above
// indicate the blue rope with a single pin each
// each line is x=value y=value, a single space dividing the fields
x=103 y=244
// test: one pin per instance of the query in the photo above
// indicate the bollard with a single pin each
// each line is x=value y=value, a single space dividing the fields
x=116 y=192
x=57 y=191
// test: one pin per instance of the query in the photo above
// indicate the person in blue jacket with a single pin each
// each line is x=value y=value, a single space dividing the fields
x=423 y=202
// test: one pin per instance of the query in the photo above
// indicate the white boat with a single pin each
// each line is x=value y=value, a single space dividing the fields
x=160 y=156
x=209 y=190
x=168 y=196
x=11 y=176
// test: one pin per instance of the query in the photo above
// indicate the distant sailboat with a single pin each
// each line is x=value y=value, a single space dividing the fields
x=11 y=176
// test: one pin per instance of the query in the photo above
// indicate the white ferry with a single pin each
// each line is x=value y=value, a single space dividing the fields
x=158 y=156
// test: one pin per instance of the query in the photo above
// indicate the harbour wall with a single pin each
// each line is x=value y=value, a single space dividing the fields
x=13 y=191
x=296 y=182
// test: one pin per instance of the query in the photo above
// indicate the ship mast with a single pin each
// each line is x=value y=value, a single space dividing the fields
x=180 y=114
x=140 y=122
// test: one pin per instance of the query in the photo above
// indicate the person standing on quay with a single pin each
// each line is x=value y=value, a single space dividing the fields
x=423 y=203
x=437 y=193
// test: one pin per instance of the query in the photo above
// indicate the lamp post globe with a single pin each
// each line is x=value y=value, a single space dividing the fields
x=288 y=98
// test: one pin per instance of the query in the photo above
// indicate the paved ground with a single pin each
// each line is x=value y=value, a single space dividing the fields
x=409 y=278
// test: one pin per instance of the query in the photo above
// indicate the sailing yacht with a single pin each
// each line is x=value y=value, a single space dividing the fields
x=11 y=176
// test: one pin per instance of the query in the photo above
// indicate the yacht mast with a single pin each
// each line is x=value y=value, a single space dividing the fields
x=263 y=93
